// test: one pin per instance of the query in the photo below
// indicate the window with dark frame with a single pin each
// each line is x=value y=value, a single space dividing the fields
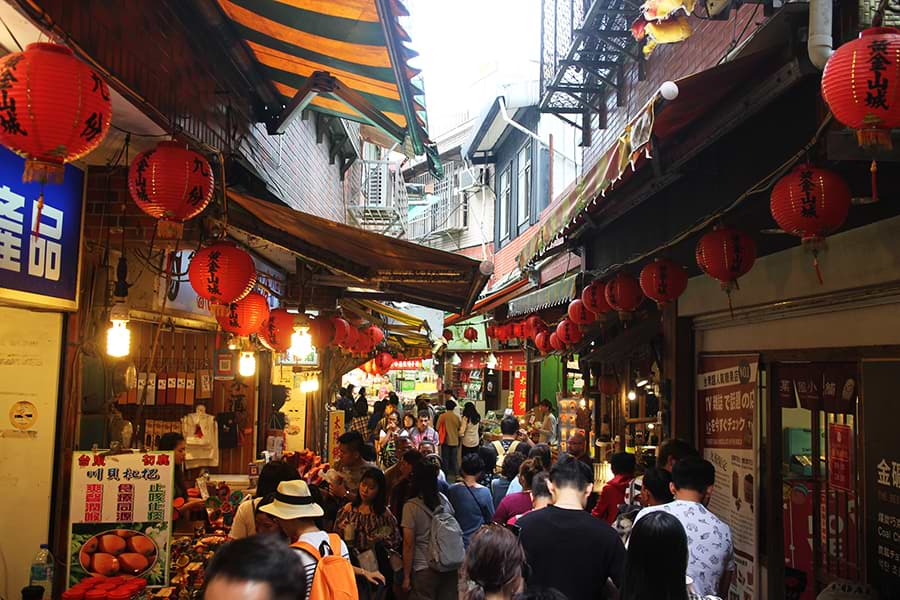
x=505 y=198
x=523 y=193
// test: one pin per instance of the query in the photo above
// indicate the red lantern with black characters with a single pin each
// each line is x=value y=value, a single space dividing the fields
x=471 y=334
x=810 y=203
x=342 y=331
x=490 y=331
x=663 y=281
x=580 y=314
x=502 y=332
x=556 y=343
x=594 y=298
x=246 y=315
x=518 y=330
x=608 y=385
x=56 y=109
x=568 y=332
x=861 y=85
x=534 y=325
x=374 y=334
x=222 y=273
x=170 y=182
x=726 y=254
x=275 y=333
x=384 y=361
x=448 y=335
x=542 y=341
x=623 y=293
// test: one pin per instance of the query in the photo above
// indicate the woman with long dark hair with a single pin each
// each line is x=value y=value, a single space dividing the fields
x=657 y=559
x=174 y=442
x=368 y=527
x=469 y=434
x=360 y=422
x=494 y=566
x=423 y=582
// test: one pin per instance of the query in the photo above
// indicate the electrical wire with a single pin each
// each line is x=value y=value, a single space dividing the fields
x=143 y=135
x=736 y=39
x=760 y=186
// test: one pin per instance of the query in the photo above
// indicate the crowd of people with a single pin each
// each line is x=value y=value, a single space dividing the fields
x=417 y=513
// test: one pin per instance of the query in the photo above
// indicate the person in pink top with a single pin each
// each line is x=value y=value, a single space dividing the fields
x=540 y=496
x=518 y=502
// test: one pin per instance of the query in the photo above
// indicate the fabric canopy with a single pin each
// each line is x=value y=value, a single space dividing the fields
x=345 y=58
x=397 y=269
x=558 y=292
x=492 y=301
x=404 y=331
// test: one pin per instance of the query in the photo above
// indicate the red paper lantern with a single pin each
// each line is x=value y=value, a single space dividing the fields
x=342 y=331
x=542 y=341
x=861 y=82
x=222 y=273
x=556 y=343
x=608 y=385
x=518 y=330
x=568 y=332
x=580 y=314
x=594 y=298
x=352 y=339
x=321 y=330
x=245 y=316
x=503 y=332
x=726 y=254
x=471 y=334
x=534 y=325
x=56 y=109
x=623 y=293
x=448 y=335
x=275 y=333
x=384 y=361
x=663 y=281
x=810 y=203
x=374 y=334
x=490 y=331
x=170 y=182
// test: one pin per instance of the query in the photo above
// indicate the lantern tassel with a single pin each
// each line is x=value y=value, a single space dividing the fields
x=730 y=305
x=873 y=169
x=816 y=266
x=36 y=230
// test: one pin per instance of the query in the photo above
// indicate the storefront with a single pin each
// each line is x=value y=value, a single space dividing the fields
x=39 y=289
x=815 y=432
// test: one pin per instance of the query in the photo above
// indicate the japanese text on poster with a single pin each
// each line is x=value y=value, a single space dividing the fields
x=726 y=398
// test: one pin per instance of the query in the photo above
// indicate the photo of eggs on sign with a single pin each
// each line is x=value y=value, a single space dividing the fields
x=134 y=552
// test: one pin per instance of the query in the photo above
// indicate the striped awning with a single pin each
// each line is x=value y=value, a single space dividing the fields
x=345 y=58
x=556 y=293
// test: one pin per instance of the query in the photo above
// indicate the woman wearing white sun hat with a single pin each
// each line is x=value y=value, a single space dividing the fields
x=296 y=511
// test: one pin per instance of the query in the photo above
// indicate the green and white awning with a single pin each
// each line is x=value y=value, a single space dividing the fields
x=554 y=294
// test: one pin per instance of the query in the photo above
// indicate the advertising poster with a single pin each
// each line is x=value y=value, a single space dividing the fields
x=120 y=515
x=726 y=399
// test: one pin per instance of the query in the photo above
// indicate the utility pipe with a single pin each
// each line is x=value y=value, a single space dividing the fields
x=505 y=116
x=819 y=42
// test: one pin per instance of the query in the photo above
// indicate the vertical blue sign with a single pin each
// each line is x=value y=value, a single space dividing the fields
x=43 y=269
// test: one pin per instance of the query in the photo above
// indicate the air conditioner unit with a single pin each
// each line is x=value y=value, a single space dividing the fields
x=377 y=191
x=468 y=179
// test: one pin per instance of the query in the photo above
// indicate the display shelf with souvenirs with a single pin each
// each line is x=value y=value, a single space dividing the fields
x=575 y=414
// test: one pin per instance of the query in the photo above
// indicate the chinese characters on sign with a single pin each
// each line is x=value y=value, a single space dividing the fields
x=726 y=399
x=335 y=430
x=840 y=446
x=520 y=397
x=46 y=262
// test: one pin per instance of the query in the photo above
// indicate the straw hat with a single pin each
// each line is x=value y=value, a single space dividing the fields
x=293 y=501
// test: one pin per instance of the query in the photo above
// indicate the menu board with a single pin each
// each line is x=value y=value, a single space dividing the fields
x=120 y=515
x=726 y=398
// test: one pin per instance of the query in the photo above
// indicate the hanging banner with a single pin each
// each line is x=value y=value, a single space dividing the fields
x=120 y=516
x=520 y=394
x=726 y=398
x=336 y=426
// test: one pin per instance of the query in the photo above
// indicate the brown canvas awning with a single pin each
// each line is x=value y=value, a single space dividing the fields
x=396 y=269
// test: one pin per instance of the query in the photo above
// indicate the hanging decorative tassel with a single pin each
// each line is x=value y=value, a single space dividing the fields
x=730 y=305
x=873 y=169
x=36 y=230
x=816 y=266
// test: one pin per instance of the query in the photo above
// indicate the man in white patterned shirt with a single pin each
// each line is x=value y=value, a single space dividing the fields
x=711 y=562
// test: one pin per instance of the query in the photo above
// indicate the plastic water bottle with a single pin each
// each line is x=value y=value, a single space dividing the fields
x=42 y=571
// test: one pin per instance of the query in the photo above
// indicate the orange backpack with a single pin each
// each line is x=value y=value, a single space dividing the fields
x=334 y=578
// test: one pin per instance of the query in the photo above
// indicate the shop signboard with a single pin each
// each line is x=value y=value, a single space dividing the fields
x=520 y=392
x=336 y=426
x=727 y=401
x=120 y=515
x=39 y=266
x=840 y=450
x=881 y=451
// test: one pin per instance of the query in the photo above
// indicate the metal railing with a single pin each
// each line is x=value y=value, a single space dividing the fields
x=447 y=209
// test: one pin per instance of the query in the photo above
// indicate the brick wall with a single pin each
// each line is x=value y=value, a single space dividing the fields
x=710 y=41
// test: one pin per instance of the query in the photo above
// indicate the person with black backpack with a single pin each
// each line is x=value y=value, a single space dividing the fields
x=432 y=540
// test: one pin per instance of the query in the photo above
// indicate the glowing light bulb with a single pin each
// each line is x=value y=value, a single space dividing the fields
x=455 y=360
x=118 y=339
x=310 y=385
x=643 y=382
x=632 y=395
x=247 y=364
x=301 y=341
